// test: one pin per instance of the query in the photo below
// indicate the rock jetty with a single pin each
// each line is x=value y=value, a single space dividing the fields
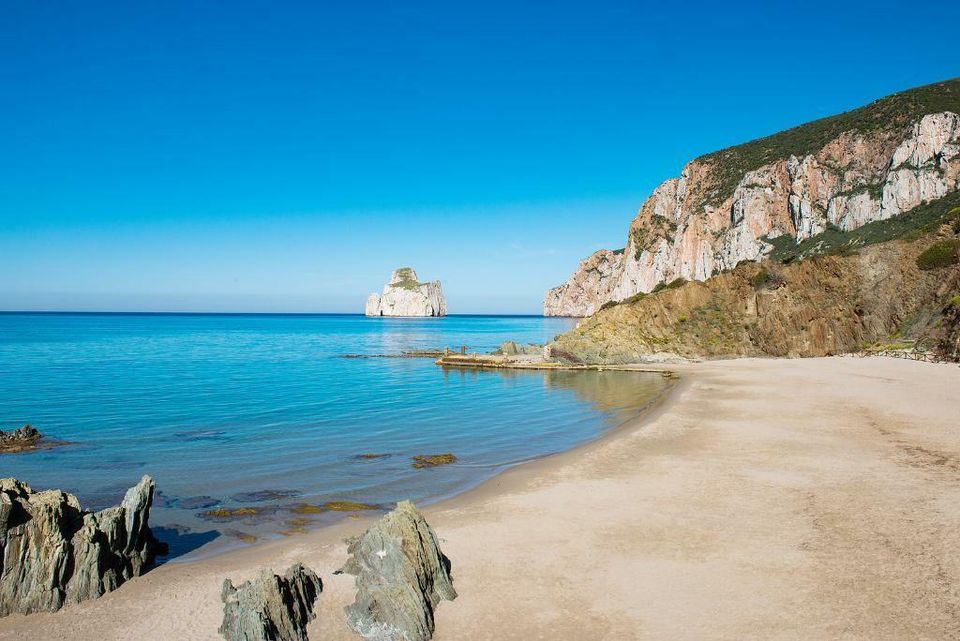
x=271 y=607
x=53 y=552
x=401 y=576
x=405 y=295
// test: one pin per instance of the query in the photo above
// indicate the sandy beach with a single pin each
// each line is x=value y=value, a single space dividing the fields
x=764 y=499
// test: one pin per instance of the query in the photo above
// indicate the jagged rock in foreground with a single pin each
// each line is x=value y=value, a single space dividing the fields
x=54 y=552
x=401 y=577
x=404 y=295
x=842 y=172
x=271 y=607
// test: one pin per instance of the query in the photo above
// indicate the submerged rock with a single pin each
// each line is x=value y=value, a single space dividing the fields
x=404 y=295
x=271 y=607
x=433 y=460
x=196 y=502
x=401 y=576
x=54 y=552
x=260 y=496
x=224 y=514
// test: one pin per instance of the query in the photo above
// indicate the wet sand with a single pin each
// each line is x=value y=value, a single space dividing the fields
x=773 y=499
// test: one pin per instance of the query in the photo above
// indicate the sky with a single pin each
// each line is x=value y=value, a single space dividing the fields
x=286 y=156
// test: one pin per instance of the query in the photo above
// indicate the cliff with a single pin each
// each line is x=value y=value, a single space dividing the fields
x=405 y=295
x=888 y=280
x=839 y=173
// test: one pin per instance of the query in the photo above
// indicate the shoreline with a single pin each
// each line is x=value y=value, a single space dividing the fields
x=759 y=498
x=230 y=545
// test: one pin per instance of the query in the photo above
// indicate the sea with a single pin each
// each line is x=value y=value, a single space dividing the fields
x=251 y=423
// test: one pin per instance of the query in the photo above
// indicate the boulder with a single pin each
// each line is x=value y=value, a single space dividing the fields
x=401 y=576
x=54 y=552
x=271 y=607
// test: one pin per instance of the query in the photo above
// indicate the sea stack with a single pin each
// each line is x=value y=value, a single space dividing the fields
x=405 y=295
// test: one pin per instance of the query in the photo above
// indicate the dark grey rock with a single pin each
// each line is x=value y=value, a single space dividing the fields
x=401 y=576
x=53 y=552
x=271 y=607
x=196 y=502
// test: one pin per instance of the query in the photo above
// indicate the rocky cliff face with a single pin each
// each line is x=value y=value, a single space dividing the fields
x=595 y=280
x=405 y=295
x=818 y=306
x=840 y=173
x=53 y=552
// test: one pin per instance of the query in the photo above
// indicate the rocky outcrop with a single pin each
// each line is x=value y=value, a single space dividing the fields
x=53 y=552
x=871 y=164
x=589 y=287
x=401 y=576
x=815 y=307
x=19 y=440
x=405 y=295
x=947 y=334
x=271 y=607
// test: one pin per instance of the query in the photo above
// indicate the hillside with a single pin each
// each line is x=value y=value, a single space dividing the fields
x=885 y=281
x=740 y=204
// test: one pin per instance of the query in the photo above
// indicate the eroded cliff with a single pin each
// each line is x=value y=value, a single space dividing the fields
x=843 y=172
x=854 y=295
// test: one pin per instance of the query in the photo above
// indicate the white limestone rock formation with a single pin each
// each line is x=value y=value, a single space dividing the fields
x=690 y=228
x=405 y=295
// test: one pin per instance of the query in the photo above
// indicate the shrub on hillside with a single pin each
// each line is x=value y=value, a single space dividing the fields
x=766 y=279
x=673 y=284
x=942 y=254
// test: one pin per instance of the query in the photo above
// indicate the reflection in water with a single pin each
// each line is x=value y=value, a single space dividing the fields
x=614 y=392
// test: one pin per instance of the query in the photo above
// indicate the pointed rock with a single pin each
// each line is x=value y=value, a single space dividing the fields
x=401 y=576
x=271 y=607
x=54 y=552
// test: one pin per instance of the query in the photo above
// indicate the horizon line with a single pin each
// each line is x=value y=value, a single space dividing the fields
x=194 y=313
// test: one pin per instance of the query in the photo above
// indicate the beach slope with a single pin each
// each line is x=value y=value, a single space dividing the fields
x=774 y=499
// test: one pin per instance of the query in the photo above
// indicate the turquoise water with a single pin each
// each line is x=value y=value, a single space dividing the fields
x=215 y=407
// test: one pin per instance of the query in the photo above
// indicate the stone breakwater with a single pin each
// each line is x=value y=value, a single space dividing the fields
x=686 y=230
x=405 y=295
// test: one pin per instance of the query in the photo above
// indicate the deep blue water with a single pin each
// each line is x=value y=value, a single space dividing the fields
x=220 y=405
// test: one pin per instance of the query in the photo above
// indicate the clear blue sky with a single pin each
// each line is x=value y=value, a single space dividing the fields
x=285 y=156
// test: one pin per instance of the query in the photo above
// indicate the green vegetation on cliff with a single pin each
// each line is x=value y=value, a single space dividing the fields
x=407 y=279
x=892 y=112
x=942 y=254
x=910 y=226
